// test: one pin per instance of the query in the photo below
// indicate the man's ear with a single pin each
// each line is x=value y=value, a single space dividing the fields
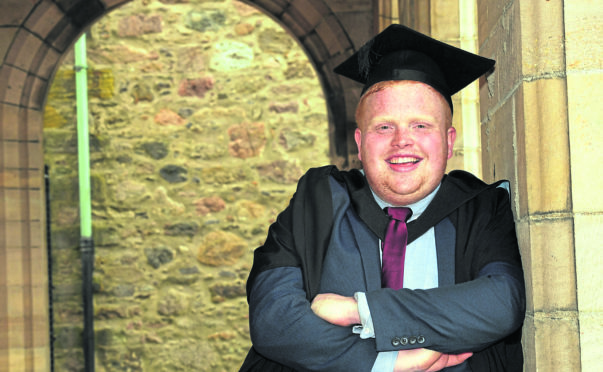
x=358 y=138
x=450 y=138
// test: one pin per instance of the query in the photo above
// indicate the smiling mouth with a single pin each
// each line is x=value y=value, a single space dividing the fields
x=404 y=160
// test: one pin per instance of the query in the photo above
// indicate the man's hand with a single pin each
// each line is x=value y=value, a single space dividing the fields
x=427 y=360
x=336 y=309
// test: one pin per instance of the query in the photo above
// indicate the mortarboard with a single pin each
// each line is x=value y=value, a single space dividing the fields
x=401 y=53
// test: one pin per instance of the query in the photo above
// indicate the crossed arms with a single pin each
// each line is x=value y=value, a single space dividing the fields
x=289 y=329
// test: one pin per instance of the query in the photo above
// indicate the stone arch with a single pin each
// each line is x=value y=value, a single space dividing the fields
x=34 y=37
x=327 y=32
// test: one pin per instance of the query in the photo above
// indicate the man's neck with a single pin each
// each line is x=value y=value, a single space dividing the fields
x=416 y=207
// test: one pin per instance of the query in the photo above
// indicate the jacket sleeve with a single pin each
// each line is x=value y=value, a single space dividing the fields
x=467 y=316
x=285 y=278
x=463 y=317
x=283 y=328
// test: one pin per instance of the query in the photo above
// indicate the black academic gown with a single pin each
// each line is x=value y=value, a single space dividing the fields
x=465 y=200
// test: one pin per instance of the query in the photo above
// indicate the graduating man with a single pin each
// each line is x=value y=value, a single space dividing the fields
x=398 y=266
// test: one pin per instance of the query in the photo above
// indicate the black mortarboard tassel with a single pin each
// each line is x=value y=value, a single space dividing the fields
x=400 y=53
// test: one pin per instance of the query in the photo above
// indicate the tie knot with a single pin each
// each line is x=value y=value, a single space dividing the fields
x=399 y=213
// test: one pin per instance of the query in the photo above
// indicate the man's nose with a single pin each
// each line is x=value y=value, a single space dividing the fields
x=402 y=137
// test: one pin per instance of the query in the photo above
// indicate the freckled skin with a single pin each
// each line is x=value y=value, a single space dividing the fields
x=404 y=140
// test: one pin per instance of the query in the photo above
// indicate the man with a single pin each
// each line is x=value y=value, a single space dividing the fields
x=321 y=293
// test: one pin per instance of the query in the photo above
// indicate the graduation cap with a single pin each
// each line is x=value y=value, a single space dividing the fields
x=401 y=53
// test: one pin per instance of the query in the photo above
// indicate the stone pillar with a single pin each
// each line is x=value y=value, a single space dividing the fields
x=455 y=23
x=24 y=338
x=584 y=66
x=540 y=123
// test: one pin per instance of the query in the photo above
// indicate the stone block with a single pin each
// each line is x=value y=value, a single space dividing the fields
x=344 y=6
x=43 y=18
x=14 y=304
x=12 y=203
x=358 y=26
x=272 y=6
x=104 y=235
x=504 y=46
x=552 y=268
x=13 y=120
x=589 y=261
x=308 y=14
x=521 y=192
x=41 y=356
x=551 y=342
x=542 y=38
x=18 y=12
x=332 y=35
x=139 y=24
x=582 y=26
x=65 y=237
x=23 y=52
x=64 y=189
x=36 y=201
x=64 y=34
x=16 y=260
x=546 y=146
x=35 y=89
x=445 y=20
x=523 y=237
x=37 y=233
x=14 y=81
x=39 y=305
x=498 y=146
x=591 y=339
x=13 y=237
x=50 y=59
x=317 y=49
x=16 y=178
x=7 y=35
x=489 y=15
x=585 y=134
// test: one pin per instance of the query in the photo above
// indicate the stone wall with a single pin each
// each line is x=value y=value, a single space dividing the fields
x=203 y=115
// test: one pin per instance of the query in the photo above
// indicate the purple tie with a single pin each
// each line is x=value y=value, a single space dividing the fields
x=394 y=248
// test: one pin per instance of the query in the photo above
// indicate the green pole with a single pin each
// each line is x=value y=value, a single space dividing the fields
x=83 y=146
x=86 y=242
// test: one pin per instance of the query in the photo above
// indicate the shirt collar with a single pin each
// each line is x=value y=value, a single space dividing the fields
x=417 y=208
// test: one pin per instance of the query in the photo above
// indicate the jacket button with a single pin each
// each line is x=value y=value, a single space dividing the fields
x=403 y=341
x=395 y=341
x=421 y=339
x=412 y=340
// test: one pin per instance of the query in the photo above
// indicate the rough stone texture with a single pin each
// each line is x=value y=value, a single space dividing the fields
x=202 y=118
x=545 y=86
x=247 y=139
x=220 y=248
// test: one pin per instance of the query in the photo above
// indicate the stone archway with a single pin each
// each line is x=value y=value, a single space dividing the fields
x=33 y=39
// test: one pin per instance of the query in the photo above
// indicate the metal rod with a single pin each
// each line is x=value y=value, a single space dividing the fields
x=86 y=243
x=49 y=255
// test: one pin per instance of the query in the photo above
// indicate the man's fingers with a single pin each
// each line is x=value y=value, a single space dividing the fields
x=448 y=360
x=455 y=359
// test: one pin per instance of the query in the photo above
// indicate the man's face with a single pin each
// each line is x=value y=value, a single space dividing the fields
x=404 y=140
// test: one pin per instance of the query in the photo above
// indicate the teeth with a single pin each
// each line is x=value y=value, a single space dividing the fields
x=403 y=160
